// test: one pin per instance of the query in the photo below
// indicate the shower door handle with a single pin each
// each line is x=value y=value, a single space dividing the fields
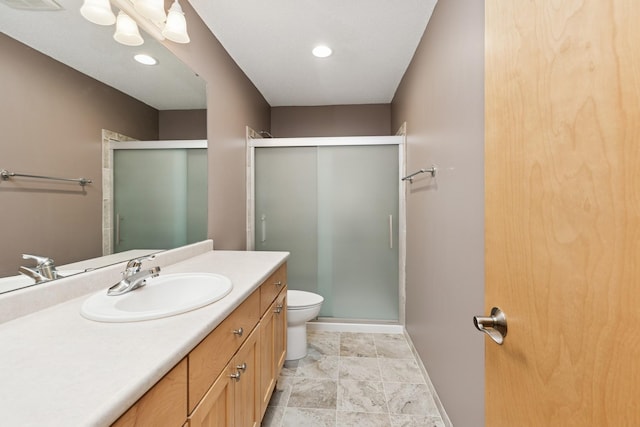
x=390 y=231
x=118 y=219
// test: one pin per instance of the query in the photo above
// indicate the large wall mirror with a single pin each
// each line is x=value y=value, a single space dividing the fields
x=64 y=81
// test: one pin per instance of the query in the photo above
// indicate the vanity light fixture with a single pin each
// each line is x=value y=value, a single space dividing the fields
x=148 y=14
x=127 y=31
x=98 y=11
x=145 y=59
x=321 y=51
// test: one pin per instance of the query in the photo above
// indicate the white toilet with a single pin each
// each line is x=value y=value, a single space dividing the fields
x=301 y=307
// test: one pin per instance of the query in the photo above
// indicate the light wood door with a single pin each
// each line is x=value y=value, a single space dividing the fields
x=562 y=211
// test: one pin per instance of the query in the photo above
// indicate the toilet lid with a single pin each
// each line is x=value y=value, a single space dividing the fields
x=302 y=299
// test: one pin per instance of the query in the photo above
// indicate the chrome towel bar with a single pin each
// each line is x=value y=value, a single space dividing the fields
x=5 y=175
x=431 y=170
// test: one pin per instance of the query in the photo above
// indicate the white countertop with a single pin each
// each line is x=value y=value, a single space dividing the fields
x=58 y=368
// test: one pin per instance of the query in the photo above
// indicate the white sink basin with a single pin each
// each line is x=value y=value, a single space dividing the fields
x=163 y=296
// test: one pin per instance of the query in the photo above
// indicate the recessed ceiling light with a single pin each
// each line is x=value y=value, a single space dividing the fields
x=145 y=59
x=322 y=51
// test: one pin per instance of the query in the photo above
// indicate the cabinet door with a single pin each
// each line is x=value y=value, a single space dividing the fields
x=280 y=332
x=267 y=356
x=164 y=404
x=273 y=347
x=216 y=408
x=247 y=400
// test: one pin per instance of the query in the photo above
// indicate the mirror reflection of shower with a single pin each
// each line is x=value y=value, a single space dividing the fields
x=159 y=194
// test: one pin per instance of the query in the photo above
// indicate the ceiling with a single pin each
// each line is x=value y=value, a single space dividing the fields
x=373 y=42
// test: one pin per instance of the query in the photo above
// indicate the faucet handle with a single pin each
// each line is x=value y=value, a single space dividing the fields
x=133 y=266
x=41 y=260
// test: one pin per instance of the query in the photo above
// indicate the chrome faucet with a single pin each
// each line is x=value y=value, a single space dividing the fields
x=44 y=271
x=133 y=277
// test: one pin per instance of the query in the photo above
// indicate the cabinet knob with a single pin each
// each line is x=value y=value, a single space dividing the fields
x=278 y=283
x=238 y=332
x=278 y=309
x=242 y=367
x=235 y=376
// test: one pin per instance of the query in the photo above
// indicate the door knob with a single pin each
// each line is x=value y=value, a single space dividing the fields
x=495 y=325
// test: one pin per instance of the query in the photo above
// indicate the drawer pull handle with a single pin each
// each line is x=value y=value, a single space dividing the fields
x=238 y=332
x=242 y=367
x=235 y=376
x=278 y=283
x=278 y=309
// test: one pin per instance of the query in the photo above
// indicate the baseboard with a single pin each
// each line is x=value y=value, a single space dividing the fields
x=355 y=327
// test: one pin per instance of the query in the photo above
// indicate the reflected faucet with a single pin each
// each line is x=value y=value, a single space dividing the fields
x=44 y=271
x=133 y=277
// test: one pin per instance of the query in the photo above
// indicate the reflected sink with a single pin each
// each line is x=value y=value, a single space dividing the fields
x=163 y=296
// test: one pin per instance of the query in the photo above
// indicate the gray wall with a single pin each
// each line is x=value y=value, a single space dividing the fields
x=441 y=99
x=182 y=124
x=331 y=120
x=51 y=117
x=233 y=103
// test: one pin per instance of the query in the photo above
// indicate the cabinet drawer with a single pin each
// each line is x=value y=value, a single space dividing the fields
x=271 y=287
x=165 y=404
x=209 y=358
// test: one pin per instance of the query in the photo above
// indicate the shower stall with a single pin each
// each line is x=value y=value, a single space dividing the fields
x=334 y=204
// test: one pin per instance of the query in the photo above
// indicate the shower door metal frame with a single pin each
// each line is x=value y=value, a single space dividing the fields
x=254 y=140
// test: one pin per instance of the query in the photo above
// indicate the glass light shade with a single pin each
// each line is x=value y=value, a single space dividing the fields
x=127 y=31
x=151 y=9
x=98 y=11
x=176 y=27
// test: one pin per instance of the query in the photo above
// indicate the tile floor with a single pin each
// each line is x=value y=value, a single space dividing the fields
x=353 y=379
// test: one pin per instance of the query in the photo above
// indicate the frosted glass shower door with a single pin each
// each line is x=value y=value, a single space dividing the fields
x=159 y=198
x=335 y=209
x=286 y=210
x=357 y=231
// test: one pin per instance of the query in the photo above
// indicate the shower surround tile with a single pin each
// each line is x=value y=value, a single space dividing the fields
x=353 y=380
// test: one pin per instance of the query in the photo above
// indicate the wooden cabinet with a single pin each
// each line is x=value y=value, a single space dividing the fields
x=209 y=358
x=227 y=379
x=247 y=382
x=164 y=404
x=233 y=400
x=273 y=333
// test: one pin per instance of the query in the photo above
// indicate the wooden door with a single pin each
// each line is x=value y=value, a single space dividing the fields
x=562 y=211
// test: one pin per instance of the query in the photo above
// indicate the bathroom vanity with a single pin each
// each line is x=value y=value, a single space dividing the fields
x=219 y=362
